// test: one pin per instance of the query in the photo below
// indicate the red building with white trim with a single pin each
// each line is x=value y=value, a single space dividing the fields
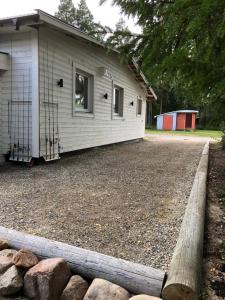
x=177 y=120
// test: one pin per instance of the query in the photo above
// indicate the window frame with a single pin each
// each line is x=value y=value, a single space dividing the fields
x=87 y=112
x=139 y=99
x=120 y=113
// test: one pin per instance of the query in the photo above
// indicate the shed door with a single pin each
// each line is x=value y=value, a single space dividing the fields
x=181 y=121
x=168 y=122
x=188 y=123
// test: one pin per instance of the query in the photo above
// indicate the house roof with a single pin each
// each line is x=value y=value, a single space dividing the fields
x=40 y=17
x=188 y=111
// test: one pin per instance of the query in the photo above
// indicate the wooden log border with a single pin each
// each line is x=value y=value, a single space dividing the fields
x=136 y=278
x=183 y=282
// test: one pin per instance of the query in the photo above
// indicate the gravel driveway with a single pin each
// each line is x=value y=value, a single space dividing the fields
x=124 y=200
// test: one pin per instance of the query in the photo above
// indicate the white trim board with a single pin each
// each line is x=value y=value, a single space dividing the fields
x=35 y=94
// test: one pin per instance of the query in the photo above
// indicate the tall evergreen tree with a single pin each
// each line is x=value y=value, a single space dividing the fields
x=121 y=25
x=100 y=32
x=84 y=17
x=183 y=41
x=120 y=37
x=66 y=11
x=85 y=22
x=81 y=17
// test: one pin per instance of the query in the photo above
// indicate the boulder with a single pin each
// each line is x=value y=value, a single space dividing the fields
x=6 y=257
x=11 y=281
x=47 y=279
x=101 y=289
x=3 y=244
x=144 y=297
x=25 y=258
x=75 y=289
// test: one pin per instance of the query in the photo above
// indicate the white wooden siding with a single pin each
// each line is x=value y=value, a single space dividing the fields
x=77 y=131
x=15 y=91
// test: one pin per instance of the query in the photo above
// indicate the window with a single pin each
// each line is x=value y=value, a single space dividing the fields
x=139 y=106
x=83 y=91
x=118 y=101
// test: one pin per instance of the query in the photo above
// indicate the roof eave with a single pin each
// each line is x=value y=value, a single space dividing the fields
x=25 y=20
x=55 y=22
x=41 y=17
x=142 y=79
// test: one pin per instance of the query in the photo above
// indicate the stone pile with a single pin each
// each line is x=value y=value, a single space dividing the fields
x=51 y=279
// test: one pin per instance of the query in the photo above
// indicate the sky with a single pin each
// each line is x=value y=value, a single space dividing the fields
x=105 y=14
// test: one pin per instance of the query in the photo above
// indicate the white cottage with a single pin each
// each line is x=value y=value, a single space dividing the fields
x=61 y=90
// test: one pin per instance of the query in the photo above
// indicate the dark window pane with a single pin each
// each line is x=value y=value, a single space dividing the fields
x=81 y=93
x=116 y=100
x=139 y=107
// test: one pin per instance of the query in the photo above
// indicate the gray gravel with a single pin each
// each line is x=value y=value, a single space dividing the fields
x=125 y=200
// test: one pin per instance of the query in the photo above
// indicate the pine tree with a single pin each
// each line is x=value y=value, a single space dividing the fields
x=100 y=32
x=121 y=25
x=182 y=43
x=120 y=37
x=66 y=11
x=81 y=18
x=123 y=33
x=85 y=22
x=84 y=18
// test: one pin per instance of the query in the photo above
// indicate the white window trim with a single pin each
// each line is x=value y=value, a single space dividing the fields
x=89 y=77
x=116 y=116
x=89 y=113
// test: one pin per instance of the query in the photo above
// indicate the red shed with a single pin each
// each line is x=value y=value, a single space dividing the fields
x=177 y=120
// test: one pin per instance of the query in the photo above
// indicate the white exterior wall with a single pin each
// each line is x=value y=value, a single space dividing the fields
x=83 y=130
x=16 y=92
x=1 y=121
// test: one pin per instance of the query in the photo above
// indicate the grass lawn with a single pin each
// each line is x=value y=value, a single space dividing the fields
x=204 y=133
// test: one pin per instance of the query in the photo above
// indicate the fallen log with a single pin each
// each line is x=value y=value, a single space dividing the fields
x=184 y=275
x=136 y=278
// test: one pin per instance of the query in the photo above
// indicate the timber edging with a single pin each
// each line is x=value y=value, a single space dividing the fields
x=184 y=274
x=136 y=278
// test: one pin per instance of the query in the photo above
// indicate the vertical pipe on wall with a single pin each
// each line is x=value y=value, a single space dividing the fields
x=11 y=99
x=23 y=116
x=53 y=110
x=44 y=93
x=28 y=123
x=49 y=113
x=35 y=94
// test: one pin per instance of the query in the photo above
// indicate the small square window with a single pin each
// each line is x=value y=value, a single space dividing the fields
x=118 y=95
x=83 y=91
x=139 y=106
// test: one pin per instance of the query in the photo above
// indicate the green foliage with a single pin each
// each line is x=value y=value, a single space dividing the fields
x=84 y=18
x=66 y=11
x=81 y=17
x=182 y=47
x=120 y=37
x=85 y=22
